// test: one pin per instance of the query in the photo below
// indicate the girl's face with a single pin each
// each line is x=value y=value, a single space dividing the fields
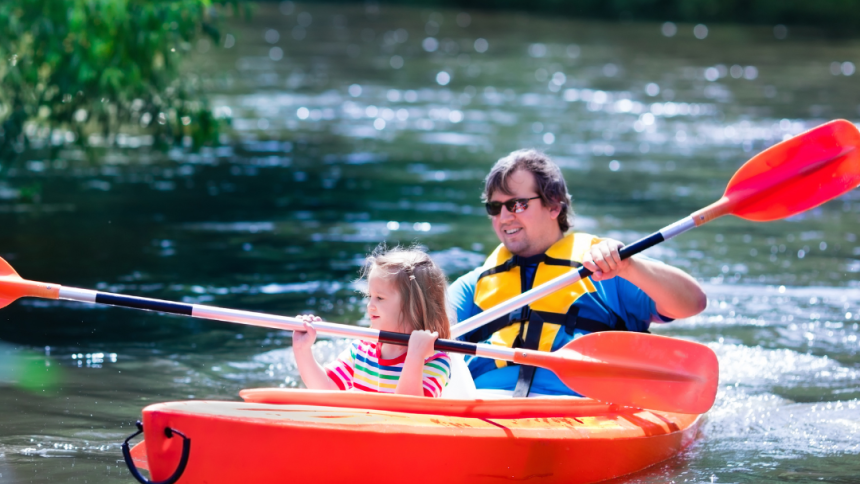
x=383 y=306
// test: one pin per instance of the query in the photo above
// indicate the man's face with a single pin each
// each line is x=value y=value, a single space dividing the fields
x=531 y=231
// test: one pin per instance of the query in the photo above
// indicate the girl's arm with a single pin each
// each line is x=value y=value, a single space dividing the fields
x=313 y=375
x=412 y=377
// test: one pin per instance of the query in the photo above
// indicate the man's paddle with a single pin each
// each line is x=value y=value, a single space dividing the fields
x=624 y=368
x=785 y=179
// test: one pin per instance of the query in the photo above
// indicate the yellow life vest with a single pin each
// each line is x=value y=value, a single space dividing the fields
x=501 y=281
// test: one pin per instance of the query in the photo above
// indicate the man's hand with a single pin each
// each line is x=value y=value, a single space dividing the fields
x=604 y=261
x=676 y=295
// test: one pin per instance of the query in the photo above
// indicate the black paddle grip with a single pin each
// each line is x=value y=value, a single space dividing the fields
x=452 y=346
x=640 y=245
x=630 y=250
x=144 y=303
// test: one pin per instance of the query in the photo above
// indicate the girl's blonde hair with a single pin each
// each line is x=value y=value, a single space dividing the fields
x=421 y=283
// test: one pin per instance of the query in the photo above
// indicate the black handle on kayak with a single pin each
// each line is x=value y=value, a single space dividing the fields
x=183 y=461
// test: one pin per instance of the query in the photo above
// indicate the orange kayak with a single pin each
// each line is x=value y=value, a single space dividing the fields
x=286 y=435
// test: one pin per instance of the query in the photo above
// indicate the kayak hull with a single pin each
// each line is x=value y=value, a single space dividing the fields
x=272 y=443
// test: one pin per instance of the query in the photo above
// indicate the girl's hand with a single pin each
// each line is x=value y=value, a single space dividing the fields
x=420 y=348
x=421 y=344
x=303 y=339
x=313 y=375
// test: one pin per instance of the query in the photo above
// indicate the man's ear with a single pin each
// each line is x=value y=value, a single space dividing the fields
x=554 y=210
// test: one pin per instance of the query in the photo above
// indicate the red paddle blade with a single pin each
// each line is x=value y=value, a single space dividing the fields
x=12 y=286
x=8 y=280
x=797 y=174
x=636 y=369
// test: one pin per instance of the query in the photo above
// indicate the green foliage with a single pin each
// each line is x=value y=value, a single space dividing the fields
x=28 y=370
x=93 y=66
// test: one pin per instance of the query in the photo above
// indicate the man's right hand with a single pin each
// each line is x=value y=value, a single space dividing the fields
x=303 y=339
x=604 y=260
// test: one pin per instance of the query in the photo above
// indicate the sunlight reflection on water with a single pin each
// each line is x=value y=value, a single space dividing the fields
x=372 y=123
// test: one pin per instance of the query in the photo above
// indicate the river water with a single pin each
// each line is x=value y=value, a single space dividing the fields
x=354 y=125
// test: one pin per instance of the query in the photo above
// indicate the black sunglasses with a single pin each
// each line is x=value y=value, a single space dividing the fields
x=515 y=205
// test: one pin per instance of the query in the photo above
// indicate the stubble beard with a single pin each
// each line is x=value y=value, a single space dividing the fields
x=517 y=247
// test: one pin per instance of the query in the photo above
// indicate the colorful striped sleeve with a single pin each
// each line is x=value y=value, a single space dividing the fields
x=341 y=370
x=437 y=372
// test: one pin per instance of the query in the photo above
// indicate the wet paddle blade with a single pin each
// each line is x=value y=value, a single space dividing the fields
x=797 y=174
x=635 y=369
x=8 y=277
x=12 y=286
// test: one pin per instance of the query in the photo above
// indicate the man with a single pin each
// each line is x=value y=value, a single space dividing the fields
x=528 y=203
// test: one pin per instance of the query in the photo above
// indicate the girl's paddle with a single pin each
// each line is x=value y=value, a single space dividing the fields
x=624 y=368
x=785 y=179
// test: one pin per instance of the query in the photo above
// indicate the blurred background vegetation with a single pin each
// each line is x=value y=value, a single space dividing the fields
x=840 y=16
x=88 y=67
x=81 y=69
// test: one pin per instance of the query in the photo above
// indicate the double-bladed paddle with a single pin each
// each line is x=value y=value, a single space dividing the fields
x=783 y=180
x=624 y=368
x=631 y=369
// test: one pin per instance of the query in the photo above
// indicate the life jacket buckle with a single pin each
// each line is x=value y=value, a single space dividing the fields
x=520 y=315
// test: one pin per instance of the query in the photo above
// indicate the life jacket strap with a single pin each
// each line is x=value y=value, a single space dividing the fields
x=530 y=342
x=524 y=381
x=508 y=265
x=524 y=261
x=570 y=321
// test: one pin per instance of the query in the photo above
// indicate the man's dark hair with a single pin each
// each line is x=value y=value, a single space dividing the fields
x=551 y=187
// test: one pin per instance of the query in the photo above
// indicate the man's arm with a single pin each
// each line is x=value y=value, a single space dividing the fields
x=675 y=293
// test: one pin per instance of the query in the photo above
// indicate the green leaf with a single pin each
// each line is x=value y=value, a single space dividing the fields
x=100 y=55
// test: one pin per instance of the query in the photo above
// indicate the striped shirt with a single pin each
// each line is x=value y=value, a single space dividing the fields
x=362 y=367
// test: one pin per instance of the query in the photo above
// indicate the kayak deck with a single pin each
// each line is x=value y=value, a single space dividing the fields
x=268 y=443
x=487 y=407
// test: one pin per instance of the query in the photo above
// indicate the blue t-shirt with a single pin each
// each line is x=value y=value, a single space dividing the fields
x=615 y=295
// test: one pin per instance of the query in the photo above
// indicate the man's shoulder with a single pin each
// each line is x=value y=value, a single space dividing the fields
x=469 y=279
x=461 y=295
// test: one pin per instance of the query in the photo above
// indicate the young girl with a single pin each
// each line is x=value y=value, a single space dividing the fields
x=406 y=294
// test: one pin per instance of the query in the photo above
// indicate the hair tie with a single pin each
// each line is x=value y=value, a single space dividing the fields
x=411 y=278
